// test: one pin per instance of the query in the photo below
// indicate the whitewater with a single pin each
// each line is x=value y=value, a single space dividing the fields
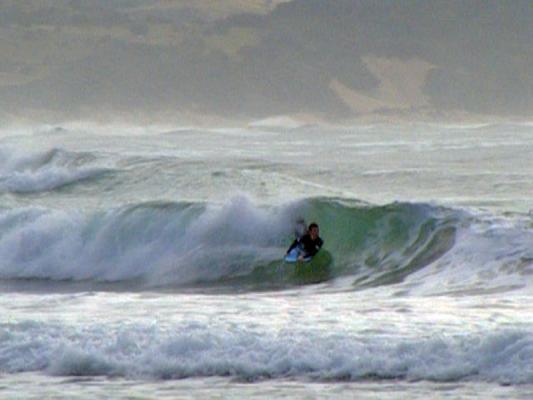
x=146 y=262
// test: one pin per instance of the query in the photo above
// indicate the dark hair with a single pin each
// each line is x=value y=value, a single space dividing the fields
x=313 y=225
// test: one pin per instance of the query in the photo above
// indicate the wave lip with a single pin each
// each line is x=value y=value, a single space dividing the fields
x=45 y=171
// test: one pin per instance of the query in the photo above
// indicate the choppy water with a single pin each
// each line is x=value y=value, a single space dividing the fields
x=145 y=262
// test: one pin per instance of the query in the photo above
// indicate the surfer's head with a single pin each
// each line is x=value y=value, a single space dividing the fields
x=313 y=230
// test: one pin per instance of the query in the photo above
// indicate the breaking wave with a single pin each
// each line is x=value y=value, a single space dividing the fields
x=199 y=350
x=424 y=247
x=44 y=171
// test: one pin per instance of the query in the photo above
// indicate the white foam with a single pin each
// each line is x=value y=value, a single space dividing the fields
x=162 y=243
x=23 y=172
x=279 y=122
x=490 y=253
x=195 y=349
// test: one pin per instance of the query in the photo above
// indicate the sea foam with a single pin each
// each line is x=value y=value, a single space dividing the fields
x=43 y=171
x=200 y=350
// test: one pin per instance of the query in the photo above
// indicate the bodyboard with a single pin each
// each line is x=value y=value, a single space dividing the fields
x=293 y=255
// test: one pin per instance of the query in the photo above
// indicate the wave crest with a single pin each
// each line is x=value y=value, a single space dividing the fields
x=424 y=247
x=44 y=171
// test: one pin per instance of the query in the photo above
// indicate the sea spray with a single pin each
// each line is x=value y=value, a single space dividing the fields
x=198 y=350
x=23 y=172
x=165 y=244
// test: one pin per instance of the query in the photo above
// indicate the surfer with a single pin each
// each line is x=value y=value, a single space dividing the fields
x=309 y=243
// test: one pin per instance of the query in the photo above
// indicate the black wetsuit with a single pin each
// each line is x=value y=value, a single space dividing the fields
x=308 y=245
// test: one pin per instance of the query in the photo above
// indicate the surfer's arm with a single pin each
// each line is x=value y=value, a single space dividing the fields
x=293 y=245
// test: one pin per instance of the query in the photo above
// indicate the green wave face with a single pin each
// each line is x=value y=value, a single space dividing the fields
x=376 y=245
x=382 y=244
x=239 y=244
x=280 y=273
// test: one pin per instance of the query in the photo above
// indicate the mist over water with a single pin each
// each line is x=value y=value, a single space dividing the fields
x=155 y=157
x=157 y=255
x=182 y=207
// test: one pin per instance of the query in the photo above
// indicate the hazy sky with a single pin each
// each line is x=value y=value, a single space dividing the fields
x=256 y=58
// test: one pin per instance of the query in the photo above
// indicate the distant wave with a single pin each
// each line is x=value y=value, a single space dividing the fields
x=279 y=122
x=431 y=249
x=21 y=172
x=200 y=350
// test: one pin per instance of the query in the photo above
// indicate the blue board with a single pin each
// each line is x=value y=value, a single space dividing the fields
x=293 y=255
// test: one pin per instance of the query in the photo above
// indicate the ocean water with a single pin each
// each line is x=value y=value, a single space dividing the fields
x=146 y=262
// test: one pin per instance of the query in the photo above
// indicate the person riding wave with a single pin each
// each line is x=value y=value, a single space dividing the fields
x=309 y=244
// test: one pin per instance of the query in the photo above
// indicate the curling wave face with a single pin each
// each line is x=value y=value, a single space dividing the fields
x=423 y=247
